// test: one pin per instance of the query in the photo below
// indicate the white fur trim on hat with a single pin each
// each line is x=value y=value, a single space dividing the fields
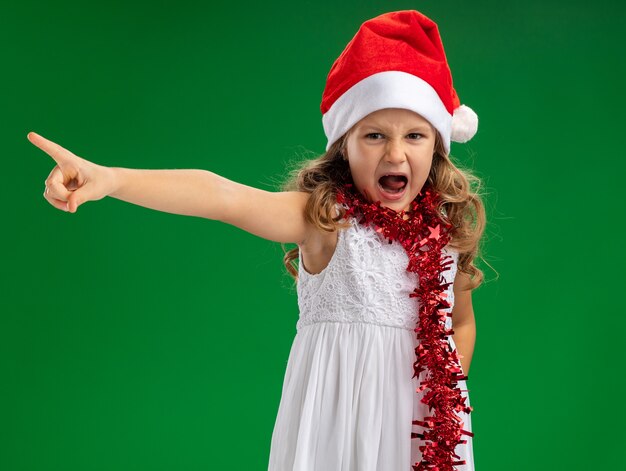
x=464 y=124
x=389 y=89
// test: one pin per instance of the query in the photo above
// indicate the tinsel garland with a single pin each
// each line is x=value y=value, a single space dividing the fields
x=424 y=235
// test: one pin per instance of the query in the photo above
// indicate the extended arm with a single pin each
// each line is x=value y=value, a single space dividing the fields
x=276 y=216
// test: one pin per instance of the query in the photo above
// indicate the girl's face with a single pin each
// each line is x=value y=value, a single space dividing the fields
x=390 y=140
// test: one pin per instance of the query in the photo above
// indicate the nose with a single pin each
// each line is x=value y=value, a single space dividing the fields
x=395 y=152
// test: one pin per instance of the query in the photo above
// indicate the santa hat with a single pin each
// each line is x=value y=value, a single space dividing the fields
x=395 y=60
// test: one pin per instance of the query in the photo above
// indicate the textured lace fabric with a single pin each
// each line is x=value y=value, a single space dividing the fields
x=365 y=281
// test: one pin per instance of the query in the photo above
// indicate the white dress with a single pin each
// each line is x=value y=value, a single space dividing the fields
x=348 y=397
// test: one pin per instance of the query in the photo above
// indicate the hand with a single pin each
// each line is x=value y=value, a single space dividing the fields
x=74 y=180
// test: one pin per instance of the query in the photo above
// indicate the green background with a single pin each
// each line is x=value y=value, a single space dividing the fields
x=132 y=339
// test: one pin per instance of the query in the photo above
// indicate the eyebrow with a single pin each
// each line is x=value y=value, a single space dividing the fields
x=421 y=127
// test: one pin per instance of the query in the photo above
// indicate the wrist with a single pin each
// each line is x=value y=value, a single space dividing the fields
x=115 y=178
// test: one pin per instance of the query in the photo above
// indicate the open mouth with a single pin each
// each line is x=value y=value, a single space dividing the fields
x=393 y=184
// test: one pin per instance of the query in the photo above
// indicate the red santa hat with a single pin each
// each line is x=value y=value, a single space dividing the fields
x=395 y=60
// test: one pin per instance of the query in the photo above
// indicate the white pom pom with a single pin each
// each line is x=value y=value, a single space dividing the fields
x=464 y=124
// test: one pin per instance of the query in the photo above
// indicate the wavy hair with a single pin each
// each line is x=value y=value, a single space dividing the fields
x=458 y=189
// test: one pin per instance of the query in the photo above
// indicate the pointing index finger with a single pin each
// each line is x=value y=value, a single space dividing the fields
x=58 y=153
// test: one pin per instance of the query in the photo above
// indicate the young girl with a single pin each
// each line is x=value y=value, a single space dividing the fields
x=387 y=229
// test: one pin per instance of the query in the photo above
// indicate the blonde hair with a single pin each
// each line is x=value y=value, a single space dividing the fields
x=458 y=189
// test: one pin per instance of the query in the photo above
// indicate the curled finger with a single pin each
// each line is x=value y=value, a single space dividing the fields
x=63 y=205
x=57 y=191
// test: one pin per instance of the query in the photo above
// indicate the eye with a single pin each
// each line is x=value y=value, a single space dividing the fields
x=370 y=135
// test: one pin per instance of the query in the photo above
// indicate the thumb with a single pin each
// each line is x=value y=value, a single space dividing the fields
x=78 y=197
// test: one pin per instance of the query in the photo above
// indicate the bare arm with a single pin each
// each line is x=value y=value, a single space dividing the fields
x=463 y=321
x=189 y=192
x=276 y=216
